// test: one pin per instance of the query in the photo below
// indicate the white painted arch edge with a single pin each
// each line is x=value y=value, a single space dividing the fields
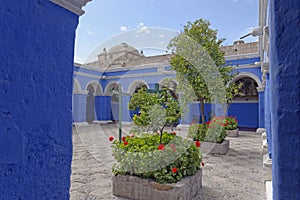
x=248 y=75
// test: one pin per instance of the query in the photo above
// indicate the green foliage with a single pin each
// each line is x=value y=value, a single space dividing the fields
x=199 y=62
x=142 y=157
x=212 y=131
x=231 y=123
x=156 y=109
x=197 y=131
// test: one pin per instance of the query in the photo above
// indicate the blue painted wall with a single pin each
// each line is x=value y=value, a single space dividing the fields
x=79 y=108
x=36 y=77
x=103 y=108
x=193 y=114
x=261 y=110
x=285 y=98
x=246 y=114
x=267 y=114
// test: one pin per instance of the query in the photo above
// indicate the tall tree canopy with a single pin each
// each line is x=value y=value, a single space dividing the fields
x=199 y=64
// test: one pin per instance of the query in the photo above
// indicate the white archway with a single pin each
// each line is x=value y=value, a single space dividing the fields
x=132 y=87
x=109 y=86
x=248 y=75
x=97 y=87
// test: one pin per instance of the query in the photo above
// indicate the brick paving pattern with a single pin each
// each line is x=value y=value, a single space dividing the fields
x=237 y=175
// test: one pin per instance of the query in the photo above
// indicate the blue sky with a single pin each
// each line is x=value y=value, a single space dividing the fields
x=108 y=23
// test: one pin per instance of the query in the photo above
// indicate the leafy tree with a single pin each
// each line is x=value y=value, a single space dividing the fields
x=199 y=65
x=156 y=110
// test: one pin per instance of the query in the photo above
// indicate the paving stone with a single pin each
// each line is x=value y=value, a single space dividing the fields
x=236 y=175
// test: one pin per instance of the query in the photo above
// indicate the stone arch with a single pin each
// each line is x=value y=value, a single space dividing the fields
x=109 y=87
x=249 y=75
x=249 y=91
x=96 y=87
x=76 y=86
x=170 y=83
x=135 y=84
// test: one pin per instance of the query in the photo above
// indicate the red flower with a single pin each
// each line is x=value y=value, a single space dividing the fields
x=111 y=138
x=197 y=143
x=174 y=169
x=161 y=147
x=123 y=138
x=202 y=163
x=125 y=143
x=174 y=133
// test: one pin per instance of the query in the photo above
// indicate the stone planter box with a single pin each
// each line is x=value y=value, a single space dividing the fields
x=233 y=133
x=136 y=188
x=215 y=148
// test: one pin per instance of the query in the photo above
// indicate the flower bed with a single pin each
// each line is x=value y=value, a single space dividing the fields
x=136 y=188
x=231 y=125
x=144 y=158
x=215 y=148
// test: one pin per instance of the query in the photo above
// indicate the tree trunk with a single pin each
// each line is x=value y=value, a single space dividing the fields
x=201 y=101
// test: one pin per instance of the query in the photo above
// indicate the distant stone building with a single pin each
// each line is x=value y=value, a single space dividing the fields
x=123 y=64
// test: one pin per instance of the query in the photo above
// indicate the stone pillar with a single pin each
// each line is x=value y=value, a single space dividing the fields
x=285 y=98
x=79 y=107
x=36 y=79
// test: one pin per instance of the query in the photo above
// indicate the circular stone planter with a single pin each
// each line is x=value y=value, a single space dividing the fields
x=215 y=148
x=233 y=133
x=136 y=188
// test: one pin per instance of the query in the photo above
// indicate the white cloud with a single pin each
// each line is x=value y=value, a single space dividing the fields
x=142 y=30
x=90 y=32
x=140 y=25
x=123 y=28
x=161 y=36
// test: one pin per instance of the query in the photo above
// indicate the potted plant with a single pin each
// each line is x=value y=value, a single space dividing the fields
x=147 y=167
x=212 y=134
x=231 y=125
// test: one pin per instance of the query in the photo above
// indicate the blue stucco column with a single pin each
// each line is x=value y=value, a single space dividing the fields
x=103 y=108
x=267 y=117
x=79 y=107
x=36 y=79
x=261 y=107
x=285 y=98
x=125 y=111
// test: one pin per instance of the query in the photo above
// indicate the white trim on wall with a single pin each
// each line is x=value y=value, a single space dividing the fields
x=75 y=6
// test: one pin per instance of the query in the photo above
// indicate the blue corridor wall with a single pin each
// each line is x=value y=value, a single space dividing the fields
x=36 y=99
x=285 y=98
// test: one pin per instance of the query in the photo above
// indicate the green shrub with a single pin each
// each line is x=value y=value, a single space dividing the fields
x=145 y=157
x=211 y=131
x=231 y=123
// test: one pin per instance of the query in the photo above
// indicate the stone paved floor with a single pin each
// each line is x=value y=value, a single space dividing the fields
x=236 y=176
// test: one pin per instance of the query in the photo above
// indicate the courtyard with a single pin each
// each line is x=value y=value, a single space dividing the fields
x=236 y=175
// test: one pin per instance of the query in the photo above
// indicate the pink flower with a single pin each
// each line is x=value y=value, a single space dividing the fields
x=131 y=135
x=174 y=133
